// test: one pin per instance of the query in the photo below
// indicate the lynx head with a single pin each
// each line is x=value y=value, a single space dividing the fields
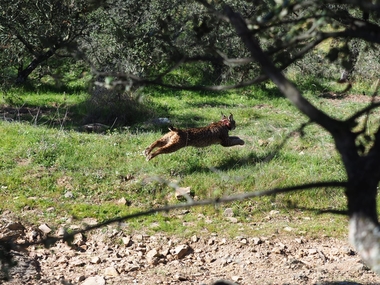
x=229 y=121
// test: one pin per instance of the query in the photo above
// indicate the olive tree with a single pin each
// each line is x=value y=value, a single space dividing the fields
x=32 y=32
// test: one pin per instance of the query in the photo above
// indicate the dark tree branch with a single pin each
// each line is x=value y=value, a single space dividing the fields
x=335 y=127
x=216 y=201
x=363 y=172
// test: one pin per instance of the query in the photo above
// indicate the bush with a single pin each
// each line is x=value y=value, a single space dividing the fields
x=117 y=108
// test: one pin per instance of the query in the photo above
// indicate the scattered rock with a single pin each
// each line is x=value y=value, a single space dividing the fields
x=95 y=260
x=181 y=250
x=158 y=259
x=122 y=201
x=194 y=239
x=236 y=278
x=232 y=219
x=15 y=226
x=256 y=241
x=111 y=272
x=180 y=277
x=79 y=240
x=182 y=192
x=244 y=241
x=152 y=256
x=69 y=195
x=61 y=232
x=299 y=240
x=44 y=228
x=313 y=251
x=127 y=241
x=160 y=121
x=95 y=280
x=288 y=229
x=95 y=128
x=228 y=212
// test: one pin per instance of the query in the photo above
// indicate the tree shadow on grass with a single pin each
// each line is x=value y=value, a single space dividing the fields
x=248 y=160
x=125 y=112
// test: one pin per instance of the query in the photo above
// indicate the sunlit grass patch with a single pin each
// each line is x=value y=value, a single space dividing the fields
x=52 y=172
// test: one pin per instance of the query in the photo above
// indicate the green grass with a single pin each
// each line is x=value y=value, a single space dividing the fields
x=40 y=162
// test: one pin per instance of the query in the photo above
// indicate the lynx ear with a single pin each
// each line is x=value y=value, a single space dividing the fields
x=231 y=117
x=223 y=116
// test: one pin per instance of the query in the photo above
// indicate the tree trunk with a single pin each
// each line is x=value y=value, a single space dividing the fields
x=364 y=230
x=363 y=170
x=23 y=74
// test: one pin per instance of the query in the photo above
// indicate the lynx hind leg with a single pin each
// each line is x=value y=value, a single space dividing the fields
x=157 y=143
x=168 y=148
x=164 y=145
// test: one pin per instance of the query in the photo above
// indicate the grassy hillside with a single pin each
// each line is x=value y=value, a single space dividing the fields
x=51 y=171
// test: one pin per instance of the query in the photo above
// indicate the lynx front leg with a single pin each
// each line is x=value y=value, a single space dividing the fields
x=232 y=141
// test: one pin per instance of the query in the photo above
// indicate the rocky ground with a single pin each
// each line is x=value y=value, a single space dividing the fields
x=109 y=256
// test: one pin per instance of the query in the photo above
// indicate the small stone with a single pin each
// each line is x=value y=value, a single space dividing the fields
x=126 y=241
x=194 y=238
x=95 y=280
x=232 y=219
x=288 y=229
x=61 y=232
x=131 y=268
x=69 y=195
x=152 y=256
x=180 y=277
x=277 y=250
x=122 y=201
x=77 y=263
x=181 y=250
x=244 y=241
x=313 y=251
x=299 y=240
x=228 y=212
x=79 y=240
x=138 y=237
x=236 y=278
x=95 y=260
x=15 y=226
x=111 y=272
x=182 y=192
x=256 y=241
x=274 y=212
x=44 y=228
x=165 y=251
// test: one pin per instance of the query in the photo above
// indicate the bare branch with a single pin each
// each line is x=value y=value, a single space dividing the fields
x=335 y=127
x=216 y=201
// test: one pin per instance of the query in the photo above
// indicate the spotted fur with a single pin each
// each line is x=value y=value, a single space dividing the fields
x=215 y=133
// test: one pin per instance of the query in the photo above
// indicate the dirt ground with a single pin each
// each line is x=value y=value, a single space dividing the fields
x=109 y=256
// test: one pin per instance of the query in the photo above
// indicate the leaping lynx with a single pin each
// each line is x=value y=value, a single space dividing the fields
x=215 y=133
